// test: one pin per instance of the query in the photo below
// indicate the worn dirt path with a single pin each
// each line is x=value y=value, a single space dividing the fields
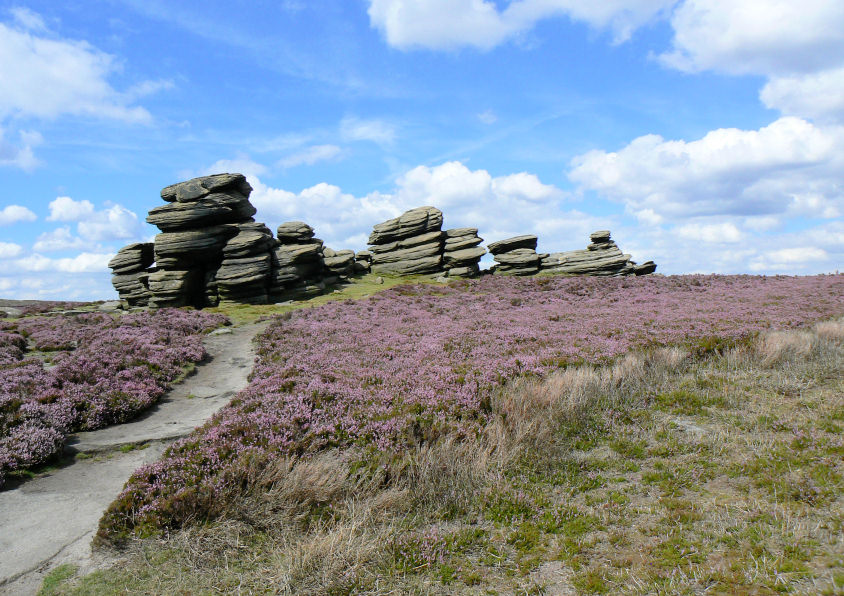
x=50 y=520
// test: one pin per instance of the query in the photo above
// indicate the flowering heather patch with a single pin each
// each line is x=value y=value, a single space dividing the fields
x=413 y=362
x=105 y=372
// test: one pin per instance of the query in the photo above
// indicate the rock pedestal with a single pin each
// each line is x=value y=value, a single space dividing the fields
x=602 y=257
x=515 y=256
x=462 y=252
x=408 y=244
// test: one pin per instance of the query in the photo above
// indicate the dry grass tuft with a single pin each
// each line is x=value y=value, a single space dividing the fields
x=830 y=330
x=776 y=347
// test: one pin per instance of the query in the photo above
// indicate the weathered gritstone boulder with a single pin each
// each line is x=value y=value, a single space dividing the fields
x=294 y=232
x=297 y=263
x=602 y=257
x=210 y=210
x=244 y=279
x=363 y=261
x=502 y=246
x=132 y=258
x=201 y=246
x=243 y=275
x=129 y=272
x=339 y=263
x=197 y=188
x=408 y=244
x=173 y=288
x=411 y=223
x=462 y=253
x=515 y=256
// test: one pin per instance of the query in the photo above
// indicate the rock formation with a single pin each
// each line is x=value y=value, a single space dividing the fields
x=515 y=256
x=130 y=276
x=363 y=261
x=410 y=243
x=462 y=252
x=211 y=250
x=601 y=257
x=297 y=261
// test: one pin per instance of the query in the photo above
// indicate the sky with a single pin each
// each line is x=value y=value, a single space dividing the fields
x=707 y=135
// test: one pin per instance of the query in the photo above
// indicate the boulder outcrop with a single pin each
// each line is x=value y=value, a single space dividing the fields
x=211 y=250
x=601 y=257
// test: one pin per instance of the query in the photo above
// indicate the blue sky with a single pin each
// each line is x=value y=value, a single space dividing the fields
x=706 y=134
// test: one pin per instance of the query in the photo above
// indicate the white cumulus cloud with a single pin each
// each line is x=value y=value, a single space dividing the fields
x=14 y=214
x=58 y=239
x=450 y=24
x=9 y=250
x=86 y=262
x=757 y=36
x=716 y=233
x=75 y=73
x=113 y=223
x=66 y=209
x=790 y=166
x=819 y=95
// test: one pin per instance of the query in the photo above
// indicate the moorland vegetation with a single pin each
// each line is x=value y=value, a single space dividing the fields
x=542 y=435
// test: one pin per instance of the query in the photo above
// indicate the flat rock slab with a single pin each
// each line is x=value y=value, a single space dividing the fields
x=51 y=519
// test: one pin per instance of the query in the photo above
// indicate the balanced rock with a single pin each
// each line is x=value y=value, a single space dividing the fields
x=363 y=261
x=515 y=256
x=297 y=263
x=339 y=263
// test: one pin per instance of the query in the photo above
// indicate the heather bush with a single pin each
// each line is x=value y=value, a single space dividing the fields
x=415 y=363
x=105 y=370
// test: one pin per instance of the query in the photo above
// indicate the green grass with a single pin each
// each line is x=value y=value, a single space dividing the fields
x=56 y=577
x=358 y=288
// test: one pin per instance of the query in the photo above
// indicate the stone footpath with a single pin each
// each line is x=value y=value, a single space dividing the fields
x=51 y=520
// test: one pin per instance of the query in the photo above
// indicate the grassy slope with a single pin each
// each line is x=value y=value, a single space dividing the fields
x=661 y=474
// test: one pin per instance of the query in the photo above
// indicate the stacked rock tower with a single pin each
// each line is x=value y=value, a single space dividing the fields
x=462 y=252
x=209 y=247
x=410 y=243
x=297 y=262
x=211 y=250
x=515 y=256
